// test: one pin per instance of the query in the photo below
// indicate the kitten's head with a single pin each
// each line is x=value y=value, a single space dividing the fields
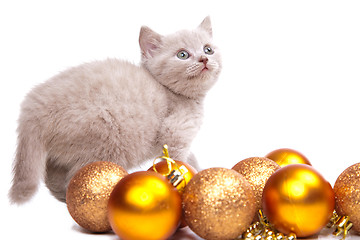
x=186 y=62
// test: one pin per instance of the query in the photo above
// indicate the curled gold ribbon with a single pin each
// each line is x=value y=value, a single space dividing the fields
x=175 y=174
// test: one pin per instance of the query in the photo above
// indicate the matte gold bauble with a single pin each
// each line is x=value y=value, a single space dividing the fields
x=257 y=171
x=88 y=194
x=218 y=204
x=144 y=206
x=286 y=156
x=347 y=195
x=297 y=199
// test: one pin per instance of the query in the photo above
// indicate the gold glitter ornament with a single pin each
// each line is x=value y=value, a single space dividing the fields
x=347 y=195
x=286 y=156
x=298 y=199
x=257 y=171
x=218 y=204
x=144 y=206
x=88 y=193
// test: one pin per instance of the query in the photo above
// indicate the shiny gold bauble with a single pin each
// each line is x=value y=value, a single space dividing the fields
x=297 y=199
x=187 y=169
x=88 y=194
x=347 y=195
x=286 y=156
x=257 y=171
x=144 y=206
x=218 y=204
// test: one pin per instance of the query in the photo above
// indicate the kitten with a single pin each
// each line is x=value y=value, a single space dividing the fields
x=116 y=111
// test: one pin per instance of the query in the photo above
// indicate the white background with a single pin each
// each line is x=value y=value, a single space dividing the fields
x=290 y=79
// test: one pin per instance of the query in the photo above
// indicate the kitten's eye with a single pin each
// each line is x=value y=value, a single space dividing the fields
x=183 y=55
x=208 y=50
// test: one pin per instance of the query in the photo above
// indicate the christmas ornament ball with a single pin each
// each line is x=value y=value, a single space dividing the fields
x=88 y=193
x=297 y=199
x=286 y=156
x=347 y=195
x=257 y=171
x=185 y=168
x=144 y=206
x=187 y=173
x=218 y=204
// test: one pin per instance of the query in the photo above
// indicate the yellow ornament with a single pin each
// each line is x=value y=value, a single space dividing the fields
x=347 y=195
x=257 y=171
x=88 y=194
x=218 y=203
x=185 y=169
x=177 y=172
x=297 y=199
x=286 y=156
x=144 y=206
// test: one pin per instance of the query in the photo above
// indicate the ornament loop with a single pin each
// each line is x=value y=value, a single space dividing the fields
x=169 y=163
x=175 y=173
x=264 y=230
x=166 y=150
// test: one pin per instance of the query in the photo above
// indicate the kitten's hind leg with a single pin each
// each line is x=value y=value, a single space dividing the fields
x=55 y=180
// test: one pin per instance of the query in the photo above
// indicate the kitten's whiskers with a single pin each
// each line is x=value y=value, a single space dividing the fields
x=196 y=69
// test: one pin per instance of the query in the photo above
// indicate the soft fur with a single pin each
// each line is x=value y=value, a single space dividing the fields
x=115 y=111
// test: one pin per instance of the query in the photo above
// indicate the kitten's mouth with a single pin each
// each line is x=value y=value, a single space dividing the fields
x=198 y=71
x=204 y=69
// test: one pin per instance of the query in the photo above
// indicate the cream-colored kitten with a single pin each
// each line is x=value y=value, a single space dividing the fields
x=115 y=111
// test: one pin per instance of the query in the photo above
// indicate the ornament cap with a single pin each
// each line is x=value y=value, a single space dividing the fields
x=341 y=223
x=175 y=173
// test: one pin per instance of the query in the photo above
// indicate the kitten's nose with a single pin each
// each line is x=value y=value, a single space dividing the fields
x=203 y=59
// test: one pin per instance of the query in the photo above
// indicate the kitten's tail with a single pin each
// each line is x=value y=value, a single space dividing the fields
x=29 y=164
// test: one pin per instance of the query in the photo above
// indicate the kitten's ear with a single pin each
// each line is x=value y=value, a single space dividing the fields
x=149 y=41
x=206 y=25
